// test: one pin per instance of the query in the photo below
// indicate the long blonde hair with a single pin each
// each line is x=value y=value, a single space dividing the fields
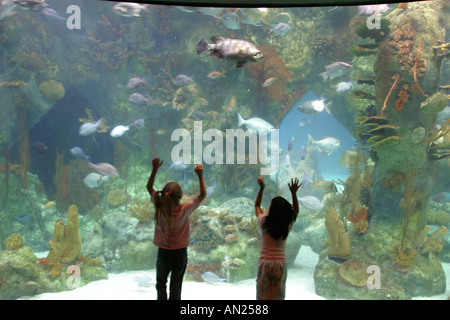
x=165 y=202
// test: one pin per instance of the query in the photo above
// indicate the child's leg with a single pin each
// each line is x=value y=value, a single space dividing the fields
x=163 y=267
x=178 y=270
x=271 y=281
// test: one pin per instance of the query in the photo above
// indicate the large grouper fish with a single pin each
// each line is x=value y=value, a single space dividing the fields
x=238 y=51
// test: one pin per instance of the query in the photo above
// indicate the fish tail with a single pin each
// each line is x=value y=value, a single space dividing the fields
x=327 y=108
x=241 y=120
x=202 y=46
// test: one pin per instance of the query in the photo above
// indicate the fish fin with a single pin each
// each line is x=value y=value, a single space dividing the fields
x=202 y=46
x=145 y=9
x=241 y=120
x=310 y=140
x=215 y=39
x=216 y=54
x=324 y=75
x=327 y=108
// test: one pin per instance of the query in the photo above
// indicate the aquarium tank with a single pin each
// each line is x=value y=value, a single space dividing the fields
x=351 y=100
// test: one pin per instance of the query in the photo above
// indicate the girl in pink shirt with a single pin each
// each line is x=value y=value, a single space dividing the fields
x=172 y=231
x=275 y=226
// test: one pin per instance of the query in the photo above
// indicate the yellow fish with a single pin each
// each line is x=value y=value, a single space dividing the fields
x=326 y=186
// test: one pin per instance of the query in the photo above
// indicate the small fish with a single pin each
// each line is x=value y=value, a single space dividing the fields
x=335 y=70
x=210 y=190
x=306 y=181
x=327 y=145
x=310 y=202
x=203 y=101
x=314 y=106
x=182 y=80
x=49 y=12
x=40 y=147
x=161 y=132
x=326 y=186
x=104 y=168
x=187 y=120
x=343 y=86
x=231 y=104
x=135 y=82
x=238 y=51
x=231 y=20
x=118 y=131
x=138 y=99
x=50 y=204
x=143 y=281
x=139 y=123
x=211 y=277
x=255 y=123
x=280 y=29
x=216 y=74
x=95 y=180
x=304 y=122
x=77 y=152
x=268 y=82
x=291 y=144
x=24 y=219
x=367 y=10
x=89 y=128
x=130 y=9
x=178 y=165
x=287 y=160
x=200 y=115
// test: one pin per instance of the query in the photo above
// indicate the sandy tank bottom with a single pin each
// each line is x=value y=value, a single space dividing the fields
x=300 y=286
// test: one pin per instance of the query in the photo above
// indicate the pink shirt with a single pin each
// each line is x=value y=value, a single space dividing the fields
x=271 y=249
x=178 y=237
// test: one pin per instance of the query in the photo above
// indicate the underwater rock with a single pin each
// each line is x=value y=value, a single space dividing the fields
x=353 y=273
x=242 y=206
x=52 y=90
x=436 y=103
x=66 y=243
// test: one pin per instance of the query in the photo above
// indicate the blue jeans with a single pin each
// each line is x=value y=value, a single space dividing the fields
x=174 y=261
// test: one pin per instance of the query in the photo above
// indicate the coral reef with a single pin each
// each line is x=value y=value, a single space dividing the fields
x=359 y=220
x=143 y=211
x=353 y=273
x=52 y=90
x=339 y=245
x=66 y=243
x=13 y=242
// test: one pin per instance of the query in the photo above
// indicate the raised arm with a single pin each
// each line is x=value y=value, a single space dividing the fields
x=258 y=200
x=199 y=171
x=293 y=187
x=156 y=162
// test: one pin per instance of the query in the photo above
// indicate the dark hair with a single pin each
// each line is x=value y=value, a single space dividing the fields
x=165 y=201
x=279 y=218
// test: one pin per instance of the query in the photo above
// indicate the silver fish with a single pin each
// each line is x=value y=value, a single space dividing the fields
x=94 y=180
x=178 y=165
x=135 y=82
x=304 y=122
x=89 y=127
x=235 y=50
x=130 y=9
x=79 y=153
x=182 y=80
x=255 y=123
x=314 y=106
x=335 y=70
x=280 y=29
x=138 y=99
x=327 y=145
x=104 y=168
x=118 y=131
x=49 y=12
x=210 y=190
x=343 y=86
x=211 y=277
x=310 y=202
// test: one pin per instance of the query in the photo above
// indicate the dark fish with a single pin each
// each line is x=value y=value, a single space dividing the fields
x=24 y=219
x=235 y=50
x=291 y=144
x=40 y=147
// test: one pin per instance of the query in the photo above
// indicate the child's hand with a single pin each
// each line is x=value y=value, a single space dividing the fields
x=294 y=186
x=199 y=169
x=156 y=162
x=261 y=182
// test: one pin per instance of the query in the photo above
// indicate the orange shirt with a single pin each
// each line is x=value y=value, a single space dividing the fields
x=271 y=249
x=178 y=237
